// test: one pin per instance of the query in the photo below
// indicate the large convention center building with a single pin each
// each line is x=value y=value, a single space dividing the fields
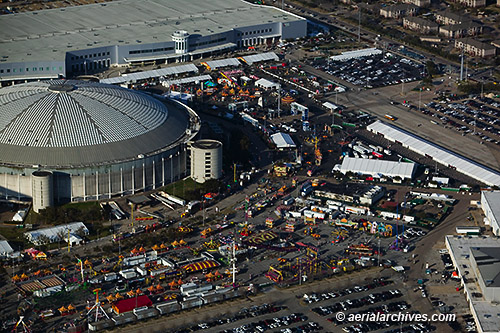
x=68 y=140
x=86 y=39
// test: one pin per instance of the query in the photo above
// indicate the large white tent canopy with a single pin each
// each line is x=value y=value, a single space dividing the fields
x=134 y=77
x=229 y=62
x=5 y=248
x=377 y=168
x=186 y=80
x=437 y=153
x=282 y=140
x=55 y=233
x=260 y=57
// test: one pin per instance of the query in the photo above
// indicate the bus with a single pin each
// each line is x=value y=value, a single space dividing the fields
x=388 y=116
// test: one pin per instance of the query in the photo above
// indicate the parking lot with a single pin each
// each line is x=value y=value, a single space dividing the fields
x=373 y=71
x=480 y=117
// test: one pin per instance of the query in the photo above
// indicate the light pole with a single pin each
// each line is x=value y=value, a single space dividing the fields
x=419 y=98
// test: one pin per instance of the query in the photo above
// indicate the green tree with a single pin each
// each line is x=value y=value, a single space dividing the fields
x=431 y=68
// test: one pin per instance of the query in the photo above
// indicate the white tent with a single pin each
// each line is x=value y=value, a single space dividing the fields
x=134 y=77
x=283 y=140
x=229 y=62
x=74 y=239
x=5 y=249
x=260 y=57
x=19 y=216
x=439 y=154
x=377 y=168
x=186 y=80
x=56 y=233
x=264 y=83
x=330 y=106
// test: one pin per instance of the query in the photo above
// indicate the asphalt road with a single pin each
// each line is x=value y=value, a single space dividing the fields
x=379 y=105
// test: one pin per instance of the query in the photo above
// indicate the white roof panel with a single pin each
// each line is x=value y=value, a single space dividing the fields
x=266 y=83
x=186 y=80
x=134 y=77
x=229 y=62
x=260 y=57
x=283 y=140
x=54 y=233
x=377 y=168
x=5 y=247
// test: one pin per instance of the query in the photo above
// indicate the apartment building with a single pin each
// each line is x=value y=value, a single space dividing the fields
x=475 y=48
x=398 y=11
x=461 y=30
x=447 y=18
x=419 y=3
x=421 y=25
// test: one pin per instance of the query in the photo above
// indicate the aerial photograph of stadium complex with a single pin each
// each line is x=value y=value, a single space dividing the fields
x=250 y=166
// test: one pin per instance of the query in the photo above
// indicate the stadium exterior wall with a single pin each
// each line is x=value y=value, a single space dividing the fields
x=107 y=181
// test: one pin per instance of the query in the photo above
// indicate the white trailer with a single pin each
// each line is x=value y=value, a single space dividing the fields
x=128 y=273
x=355 y=210
x=408 y=218
x=313 y=214
x=390 y=215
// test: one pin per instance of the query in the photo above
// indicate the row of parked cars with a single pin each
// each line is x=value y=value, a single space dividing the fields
x=414 y=328
x=278 y=322
x=254 y=311
x=468 y=119
x=313 y=298
x=357 y=302
x=470 y=325
x=414 y=232
x=384 y=308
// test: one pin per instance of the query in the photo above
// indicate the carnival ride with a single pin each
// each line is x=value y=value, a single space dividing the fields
x=339 y=234
x=361 y=250
x=21 y=324
x=287 y=99
x=97 y=308
x=211 y=245
x=178 y=244
x=296 y=269
x=65 y=311
x=343 y=264
x=212 y=277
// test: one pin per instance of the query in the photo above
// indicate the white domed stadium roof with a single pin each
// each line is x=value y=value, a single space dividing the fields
x=68 y=122
x=73 y=114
